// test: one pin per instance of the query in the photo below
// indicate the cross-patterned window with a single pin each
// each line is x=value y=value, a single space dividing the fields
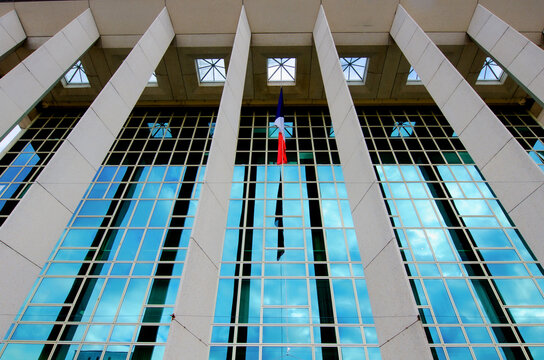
x=281 y=71
x=211 y=71
x=354 y=69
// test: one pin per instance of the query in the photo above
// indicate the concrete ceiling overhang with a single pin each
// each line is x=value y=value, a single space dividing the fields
x=206 y=28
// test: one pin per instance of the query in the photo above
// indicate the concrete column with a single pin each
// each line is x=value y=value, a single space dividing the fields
x=393 y=306
x=26 y=84
x=11 y=32
x=520 y=57
x=190 y=331
x=515 y=178
x=35 y=225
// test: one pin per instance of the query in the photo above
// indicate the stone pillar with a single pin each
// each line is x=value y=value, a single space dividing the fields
x=395 y=313
x=191 y=329
x=27 y=83
x=11 y=32
x=518 y=56
x=513 y=175
x=35 y=225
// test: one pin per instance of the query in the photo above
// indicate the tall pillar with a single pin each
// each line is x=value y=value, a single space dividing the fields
x=190 y=330
x=11 y=32
x=519 y=56
x=395 y=314
x=35 y=225
x=513 y=175
x=27 y=83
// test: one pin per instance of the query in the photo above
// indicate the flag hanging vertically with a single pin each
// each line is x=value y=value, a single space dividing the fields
x=279 y=122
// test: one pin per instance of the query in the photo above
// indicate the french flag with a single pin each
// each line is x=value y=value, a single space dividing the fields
x=279 y=122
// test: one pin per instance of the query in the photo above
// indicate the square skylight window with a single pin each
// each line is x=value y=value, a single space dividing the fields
x=282 y=71
x=491 y=73
x=211 y=71
x=413 y=77
x=354 y=69
x=76 y=76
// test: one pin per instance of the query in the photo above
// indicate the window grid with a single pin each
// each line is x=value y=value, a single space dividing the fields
x=459 y=277
x=253 y=257
x=526 y=130
x=117 y=266
x=28 y=156
x=305 y=144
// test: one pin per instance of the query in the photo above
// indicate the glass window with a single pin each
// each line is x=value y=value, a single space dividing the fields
x=468 y=266
x=211 y=71
x=153 y=82
x=491 y=73
x=413 y=77
x=114 y=275
x=354 y=69
x=281 y=71
x=290 y=254
x=76 y=76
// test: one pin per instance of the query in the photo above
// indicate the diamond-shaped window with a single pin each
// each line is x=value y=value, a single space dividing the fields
x=211 y=71
x=76 y=76
x=491 y=72
x=281 y=71
x=354 y=69
x=413 y=77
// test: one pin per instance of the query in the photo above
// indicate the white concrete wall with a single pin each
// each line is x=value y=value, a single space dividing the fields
x=190 y=331
x=393 y=306
x=11 y=32
x=514 y=177
x=38 y=220
x=31 y=80
x=519 y=57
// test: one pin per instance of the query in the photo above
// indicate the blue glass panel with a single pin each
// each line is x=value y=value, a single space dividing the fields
x=344 y=299
x=109 y=301
x=223 y=305
x=483 y=353
x=22 y=351
x=32 y=332
x=350 y=335
x=133 y=300
x=440 y=302
x=519 y=291
x=53 y=290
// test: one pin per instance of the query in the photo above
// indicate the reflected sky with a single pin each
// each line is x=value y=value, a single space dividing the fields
x=304 y=295
x=462 y=221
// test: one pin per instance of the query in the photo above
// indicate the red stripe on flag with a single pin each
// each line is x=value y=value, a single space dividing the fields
x=282 y=156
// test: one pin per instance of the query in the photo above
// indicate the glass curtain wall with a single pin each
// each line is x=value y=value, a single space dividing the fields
x=478 y=287
x=110 y=285
x=24 y=161
x=291 y=279
x=526 y=130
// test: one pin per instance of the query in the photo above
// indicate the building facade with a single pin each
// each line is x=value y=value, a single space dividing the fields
x=144 y=215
